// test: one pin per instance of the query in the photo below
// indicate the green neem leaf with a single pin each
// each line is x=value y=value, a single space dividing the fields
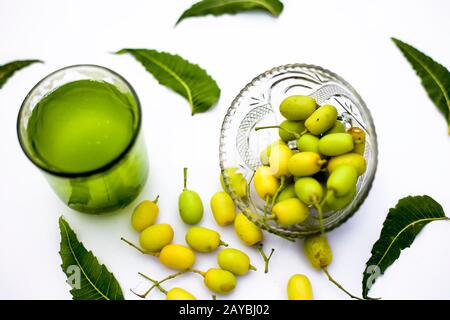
x=403 y=223
x=7 y=70
x=435 y=77
x=89 y=279
x=219 y=7
x=178 y=74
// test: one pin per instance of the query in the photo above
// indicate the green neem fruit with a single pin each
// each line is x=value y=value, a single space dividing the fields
x=338 y=203
x=309 y=190
x=235 y=261
x=342 y=180
x=305 y=163
x=359 y=139
x=354 y=159
x=297 y=107
x=299 y=288
x=290 y=212
x=220 y=281
x=318 y=251
x=236 y=180
x=156 y=237
x=179 y=294
x=290 y=126
x=203 y=239
x=335 y=144
x=338 y=127
x=308 y=142
x=321 y=120
x=144 y=215
x=287 y=193
x=278 y=159
x=223 y=208
x=190 y=205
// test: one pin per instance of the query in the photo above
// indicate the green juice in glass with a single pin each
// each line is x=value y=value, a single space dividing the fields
x=85 y=132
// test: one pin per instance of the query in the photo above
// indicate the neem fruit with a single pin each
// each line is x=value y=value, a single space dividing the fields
x=318 y=251
x=145 y=214
x=219 y=280
x=189 y=204
x=179 y=294
x=202 y=239
x=156 y=237
x=223 y=208
x=290 y=211
x=236 y=180
x=297 y=107
x=247 y=231
x=321 y=120
x=299 y=288
x=177 y=256
x=235 y=261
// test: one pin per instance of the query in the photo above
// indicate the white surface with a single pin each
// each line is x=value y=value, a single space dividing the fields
x=350 y=38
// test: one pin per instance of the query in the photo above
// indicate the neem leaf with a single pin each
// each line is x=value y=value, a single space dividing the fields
x=7 y=70
x=435 y=77
x=178 y=74
x=89 y=279
x=403 y=223
x=219 y=7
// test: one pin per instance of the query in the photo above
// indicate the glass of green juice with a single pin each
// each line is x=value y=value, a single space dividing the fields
x=81 y=125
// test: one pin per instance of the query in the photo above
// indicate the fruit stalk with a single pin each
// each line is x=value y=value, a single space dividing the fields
x=155 y=254
x=337 y=284
x=266 y=258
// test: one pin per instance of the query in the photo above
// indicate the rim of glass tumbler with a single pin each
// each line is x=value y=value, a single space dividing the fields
x=222 y=153
x=108 y=165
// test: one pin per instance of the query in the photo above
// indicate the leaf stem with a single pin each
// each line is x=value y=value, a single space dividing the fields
x=259 y=246
x=337 y=284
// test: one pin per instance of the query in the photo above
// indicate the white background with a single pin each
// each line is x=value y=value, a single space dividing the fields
x=351 y=38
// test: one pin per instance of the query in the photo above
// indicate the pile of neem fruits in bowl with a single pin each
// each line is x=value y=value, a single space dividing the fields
x=298 y=151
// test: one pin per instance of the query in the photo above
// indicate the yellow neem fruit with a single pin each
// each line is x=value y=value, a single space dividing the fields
x=223 y=208
x=305 y=163
x=236 y=182
x=359 y=139
x=290 y=211
x=177 y=256
x=156 y=237
x=144 y=215
x=203 y=239
x=318 y=251
x=247 y=231
x=354 y=159
x=234 y=260
x=179 y=294
x=299 y=288
x=266 y=184
x=278 y=160
x=220 y=281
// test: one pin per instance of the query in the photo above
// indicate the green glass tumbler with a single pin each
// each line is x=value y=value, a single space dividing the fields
x=116 y=182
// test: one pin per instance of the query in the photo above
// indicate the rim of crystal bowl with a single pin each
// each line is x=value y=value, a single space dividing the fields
x=355 y=205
